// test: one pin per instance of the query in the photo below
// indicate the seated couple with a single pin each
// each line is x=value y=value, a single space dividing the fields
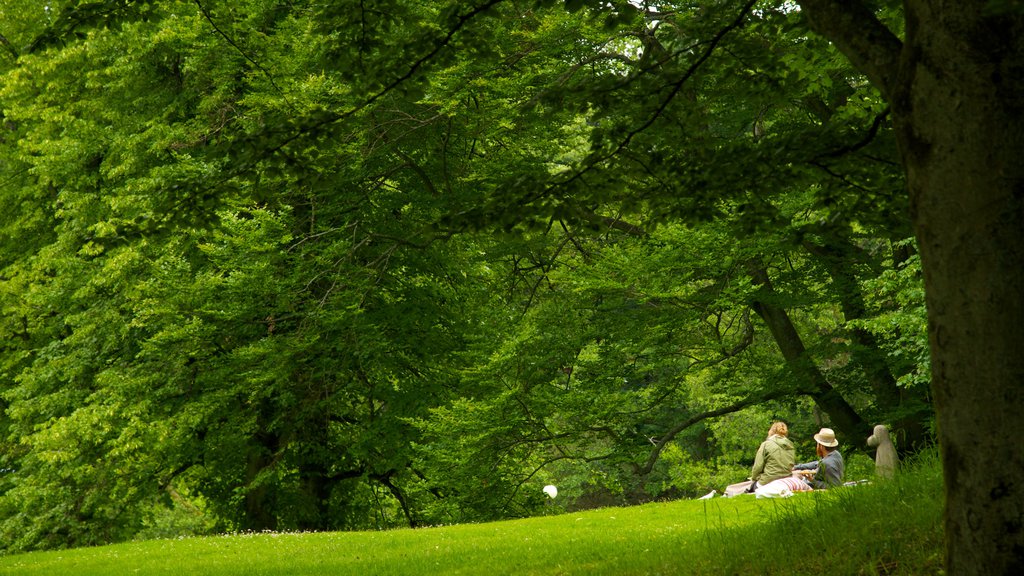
x=776 y=472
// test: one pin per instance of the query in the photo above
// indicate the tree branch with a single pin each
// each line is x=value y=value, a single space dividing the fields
x=209 y=18
x=461 y=20
x=78 y=15
x=675 y=430
x=676 y=87
x=871 y=47
x=10 y=47
x=876 y=124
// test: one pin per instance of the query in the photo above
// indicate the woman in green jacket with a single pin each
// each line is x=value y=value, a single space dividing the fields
x=775 y=457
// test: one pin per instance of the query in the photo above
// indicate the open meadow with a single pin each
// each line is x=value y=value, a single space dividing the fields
x=885 y=527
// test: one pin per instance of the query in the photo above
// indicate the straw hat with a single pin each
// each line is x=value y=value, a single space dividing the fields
x=826 y=437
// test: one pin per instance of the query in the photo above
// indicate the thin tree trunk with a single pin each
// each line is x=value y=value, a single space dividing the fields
x=259 y=499
x=908 y=427
x=843 y=416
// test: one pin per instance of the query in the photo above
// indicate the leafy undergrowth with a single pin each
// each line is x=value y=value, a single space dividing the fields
x=885 y=527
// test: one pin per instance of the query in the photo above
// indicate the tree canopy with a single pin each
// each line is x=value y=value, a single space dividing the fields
x=298 y=265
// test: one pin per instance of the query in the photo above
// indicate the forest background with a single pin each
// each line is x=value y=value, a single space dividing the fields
x=319 y=266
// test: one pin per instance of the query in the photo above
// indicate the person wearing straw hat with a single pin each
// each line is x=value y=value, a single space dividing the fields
x=828 y=469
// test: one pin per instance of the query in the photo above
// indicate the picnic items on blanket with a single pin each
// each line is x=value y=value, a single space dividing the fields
x=805 y=474
x=737 y=488
x=790 y=483
x=782 y=488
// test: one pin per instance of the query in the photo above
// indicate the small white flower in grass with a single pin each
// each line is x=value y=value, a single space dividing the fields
x=551 y=491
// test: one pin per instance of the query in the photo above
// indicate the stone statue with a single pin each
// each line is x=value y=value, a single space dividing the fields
x=886 y=460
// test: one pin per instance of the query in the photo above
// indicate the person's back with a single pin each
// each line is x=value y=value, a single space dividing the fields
x=833 y=469
x=829 y=470
x=775 y=456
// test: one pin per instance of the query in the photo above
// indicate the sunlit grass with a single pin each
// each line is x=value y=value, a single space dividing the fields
x=881 y=528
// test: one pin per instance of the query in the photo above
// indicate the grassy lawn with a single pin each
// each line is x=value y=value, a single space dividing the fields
x=887 y=527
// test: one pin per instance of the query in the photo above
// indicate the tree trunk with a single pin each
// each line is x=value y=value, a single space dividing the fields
x=260 y=505
x=955 y=84
x=837 y=256
x=844 y=418
x=959 y=115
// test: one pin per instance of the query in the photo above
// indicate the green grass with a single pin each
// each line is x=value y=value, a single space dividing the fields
x=887 y=527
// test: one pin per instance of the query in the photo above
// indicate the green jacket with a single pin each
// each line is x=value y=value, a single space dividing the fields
x=775 y=459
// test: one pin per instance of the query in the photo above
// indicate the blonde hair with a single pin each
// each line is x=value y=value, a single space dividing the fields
x=778 y=428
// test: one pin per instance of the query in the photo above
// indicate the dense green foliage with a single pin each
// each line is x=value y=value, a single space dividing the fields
x=883 y=528
x=317 y=266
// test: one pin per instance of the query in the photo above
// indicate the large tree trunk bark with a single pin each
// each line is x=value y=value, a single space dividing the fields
x=956 y=85
x=959 y=115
